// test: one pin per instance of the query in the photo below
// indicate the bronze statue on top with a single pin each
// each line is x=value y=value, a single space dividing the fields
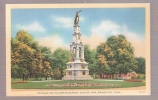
x=77 y=18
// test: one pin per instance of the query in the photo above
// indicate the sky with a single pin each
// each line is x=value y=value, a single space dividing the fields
x=53 y=27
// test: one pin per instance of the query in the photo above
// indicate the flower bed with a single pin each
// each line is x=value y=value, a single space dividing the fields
x=19 y=82
x=81 y=84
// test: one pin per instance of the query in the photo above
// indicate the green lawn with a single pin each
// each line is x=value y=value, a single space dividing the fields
x=15 y=80
x=42 y=84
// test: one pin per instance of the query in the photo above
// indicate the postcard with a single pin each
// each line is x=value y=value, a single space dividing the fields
x=78 y=49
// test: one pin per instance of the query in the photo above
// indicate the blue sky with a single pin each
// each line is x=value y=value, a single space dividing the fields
x=54 y=27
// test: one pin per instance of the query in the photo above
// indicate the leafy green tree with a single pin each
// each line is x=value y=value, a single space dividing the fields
x=118 y=54
x=24 y=37
x=89 y=56
x=140 y=65
x=57 y=73
x=38 y=72
x=47 y=70
x=14 y=71
x=14 y=54
x=60 y=58
x=22 y=54
x=47 y=60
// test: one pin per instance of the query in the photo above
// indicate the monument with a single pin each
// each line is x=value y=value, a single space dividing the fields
x=77 y=67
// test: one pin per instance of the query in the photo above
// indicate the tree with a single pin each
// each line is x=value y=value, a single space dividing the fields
x=24 y=37
x=140 y=65
x=118 y=54
x=60 y=58
x=22 y=54
x=57 y=73
x=14 y=54
x=38 y=69
x=89 y=56
x=47 y=70
x=14 y=71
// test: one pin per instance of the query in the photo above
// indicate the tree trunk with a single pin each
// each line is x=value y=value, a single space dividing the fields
x=112 y=76
x=46 y=77
x=22 y=78
x=119 y=75
x=107 y=76
x=100 y=76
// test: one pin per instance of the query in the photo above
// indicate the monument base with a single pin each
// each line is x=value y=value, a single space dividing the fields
x=77 y=70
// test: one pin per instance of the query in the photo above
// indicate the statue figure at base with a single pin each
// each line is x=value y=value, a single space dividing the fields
x=72 y=57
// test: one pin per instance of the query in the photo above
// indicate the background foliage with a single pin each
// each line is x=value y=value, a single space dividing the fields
x=30 y=61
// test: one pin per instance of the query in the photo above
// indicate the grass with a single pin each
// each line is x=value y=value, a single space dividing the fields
x=16 y=80
x=20 y=80
x=42 y=85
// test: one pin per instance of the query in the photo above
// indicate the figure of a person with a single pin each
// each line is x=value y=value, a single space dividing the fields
x=76 y=18
x=72 y=56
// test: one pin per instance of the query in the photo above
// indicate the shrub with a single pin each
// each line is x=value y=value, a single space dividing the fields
x=115 y=76
x=141 y=76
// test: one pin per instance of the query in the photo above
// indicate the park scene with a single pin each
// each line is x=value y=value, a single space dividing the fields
x=78 y=49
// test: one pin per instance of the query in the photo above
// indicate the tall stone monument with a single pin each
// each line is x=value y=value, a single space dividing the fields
x=77 y=68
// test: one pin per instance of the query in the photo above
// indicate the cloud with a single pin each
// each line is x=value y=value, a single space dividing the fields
x=99 y=34
x=35 y=26
x=108 y=28
x=81 y=19
x=53 y=42
x=138 y=42
x=93 y=41
x=105 y=28
x=63 y=21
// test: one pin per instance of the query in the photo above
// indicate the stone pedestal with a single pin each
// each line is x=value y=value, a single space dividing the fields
x=77 y=71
